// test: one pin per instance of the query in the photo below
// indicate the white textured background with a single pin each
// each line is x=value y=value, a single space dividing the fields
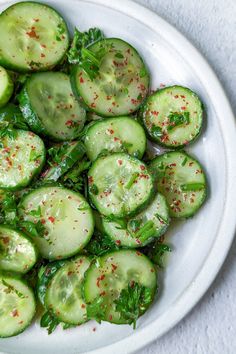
x=211 y=327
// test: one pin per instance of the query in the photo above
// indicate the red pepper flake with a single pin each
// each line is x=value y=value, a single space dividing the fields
x=69 y=123
x=142 y=167
x=70 y=272
x=152 y=270
x=9 y=161
x=155 y=113
x=32 y=33
x=52 y=219
x=110 y=317
x=138 y=253
x=111 y=131
x=43 y=45
x=6 y=240
x=36 y=19
x=162 y=85
x=21 y=322
x=190 y=164
x=120 y=162
x=118 y=242
x=19 y=167
x=116 y=139
x=42 y=55
x=182 y=96
x=94 y=329
x=90 y=179
x=103 y=293
x=183 y=108
x=114 y=267
x=93 y=105
x=172 y=164
x=49 y=97
x=81 y=80
x=176 y=96
x=83 y=306
x=43 y=221
x=15 y=313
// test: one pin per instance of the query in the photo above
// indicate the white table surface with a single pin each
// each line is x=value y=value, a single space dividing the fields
x=211 y=327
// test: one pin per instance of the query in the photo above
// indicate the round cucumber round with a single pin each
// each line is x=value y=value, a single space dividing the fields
x=173 y=116
x=22 y=157
x=119 y=185
x=64 y=293
x=50 y=108
x=181 y=179
x=17 y=306
x=114 y=272
x=70 y=153
x=17 y=252
x=121 y=134
x=140 y=230
x=64 y=217
x=120 y=82
x=6 y=87
x=34 y=37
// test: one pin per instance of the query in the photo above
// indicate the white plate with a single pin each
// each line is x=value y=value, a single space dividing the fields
x=200 y=244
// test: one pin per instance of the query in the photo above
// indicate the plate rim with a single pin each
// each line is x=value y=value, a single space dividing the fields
x=225 y=235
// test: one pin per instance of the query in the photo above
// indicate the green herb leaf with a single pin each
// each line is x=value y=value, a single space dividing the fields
x=96 y=310
x=100 y=244
x=156 y=131
x=192 y=187
x=49 y=321
x=156 y=252
x=133 y=301
x=132 y=180
x=12 y=289
x=94 y=189
x=34 y=229
x=178 y=118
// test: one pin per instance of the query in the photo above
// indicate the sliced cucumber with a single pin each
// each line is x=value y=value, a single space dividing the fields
x=181 y=179
x=33 y=37
x=119 y=185
x=22 y=156
x=121 y=83
x=122 y=134
x=17 y=252
x=50 y=108
x=17 y=306
x=66 y=218
x=45 y=275
x=141 y=229
x=64 y=296
x=72 y=152
x=6 y=87
x=113 y=272
x=173 y=116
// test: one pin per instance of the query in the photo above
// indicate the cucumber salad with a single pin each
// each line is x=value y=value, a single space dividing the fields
x=83 y=207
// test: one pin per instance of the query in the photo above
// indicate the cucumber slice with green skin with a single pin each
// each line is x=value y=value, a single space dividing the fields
x=64 y=293
x=66 y=217
x=17 y=252
x=17 y=306
x=22 y=157
x=181 y=179
x=119 y=185
x=34 y=37
x=45 y=275
x=141 y=229
x=112 y=273
x=122 y=82
x=173 y=116
x=50 y=108
x=6 y=87
x=122 y=134
x=74 y=151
